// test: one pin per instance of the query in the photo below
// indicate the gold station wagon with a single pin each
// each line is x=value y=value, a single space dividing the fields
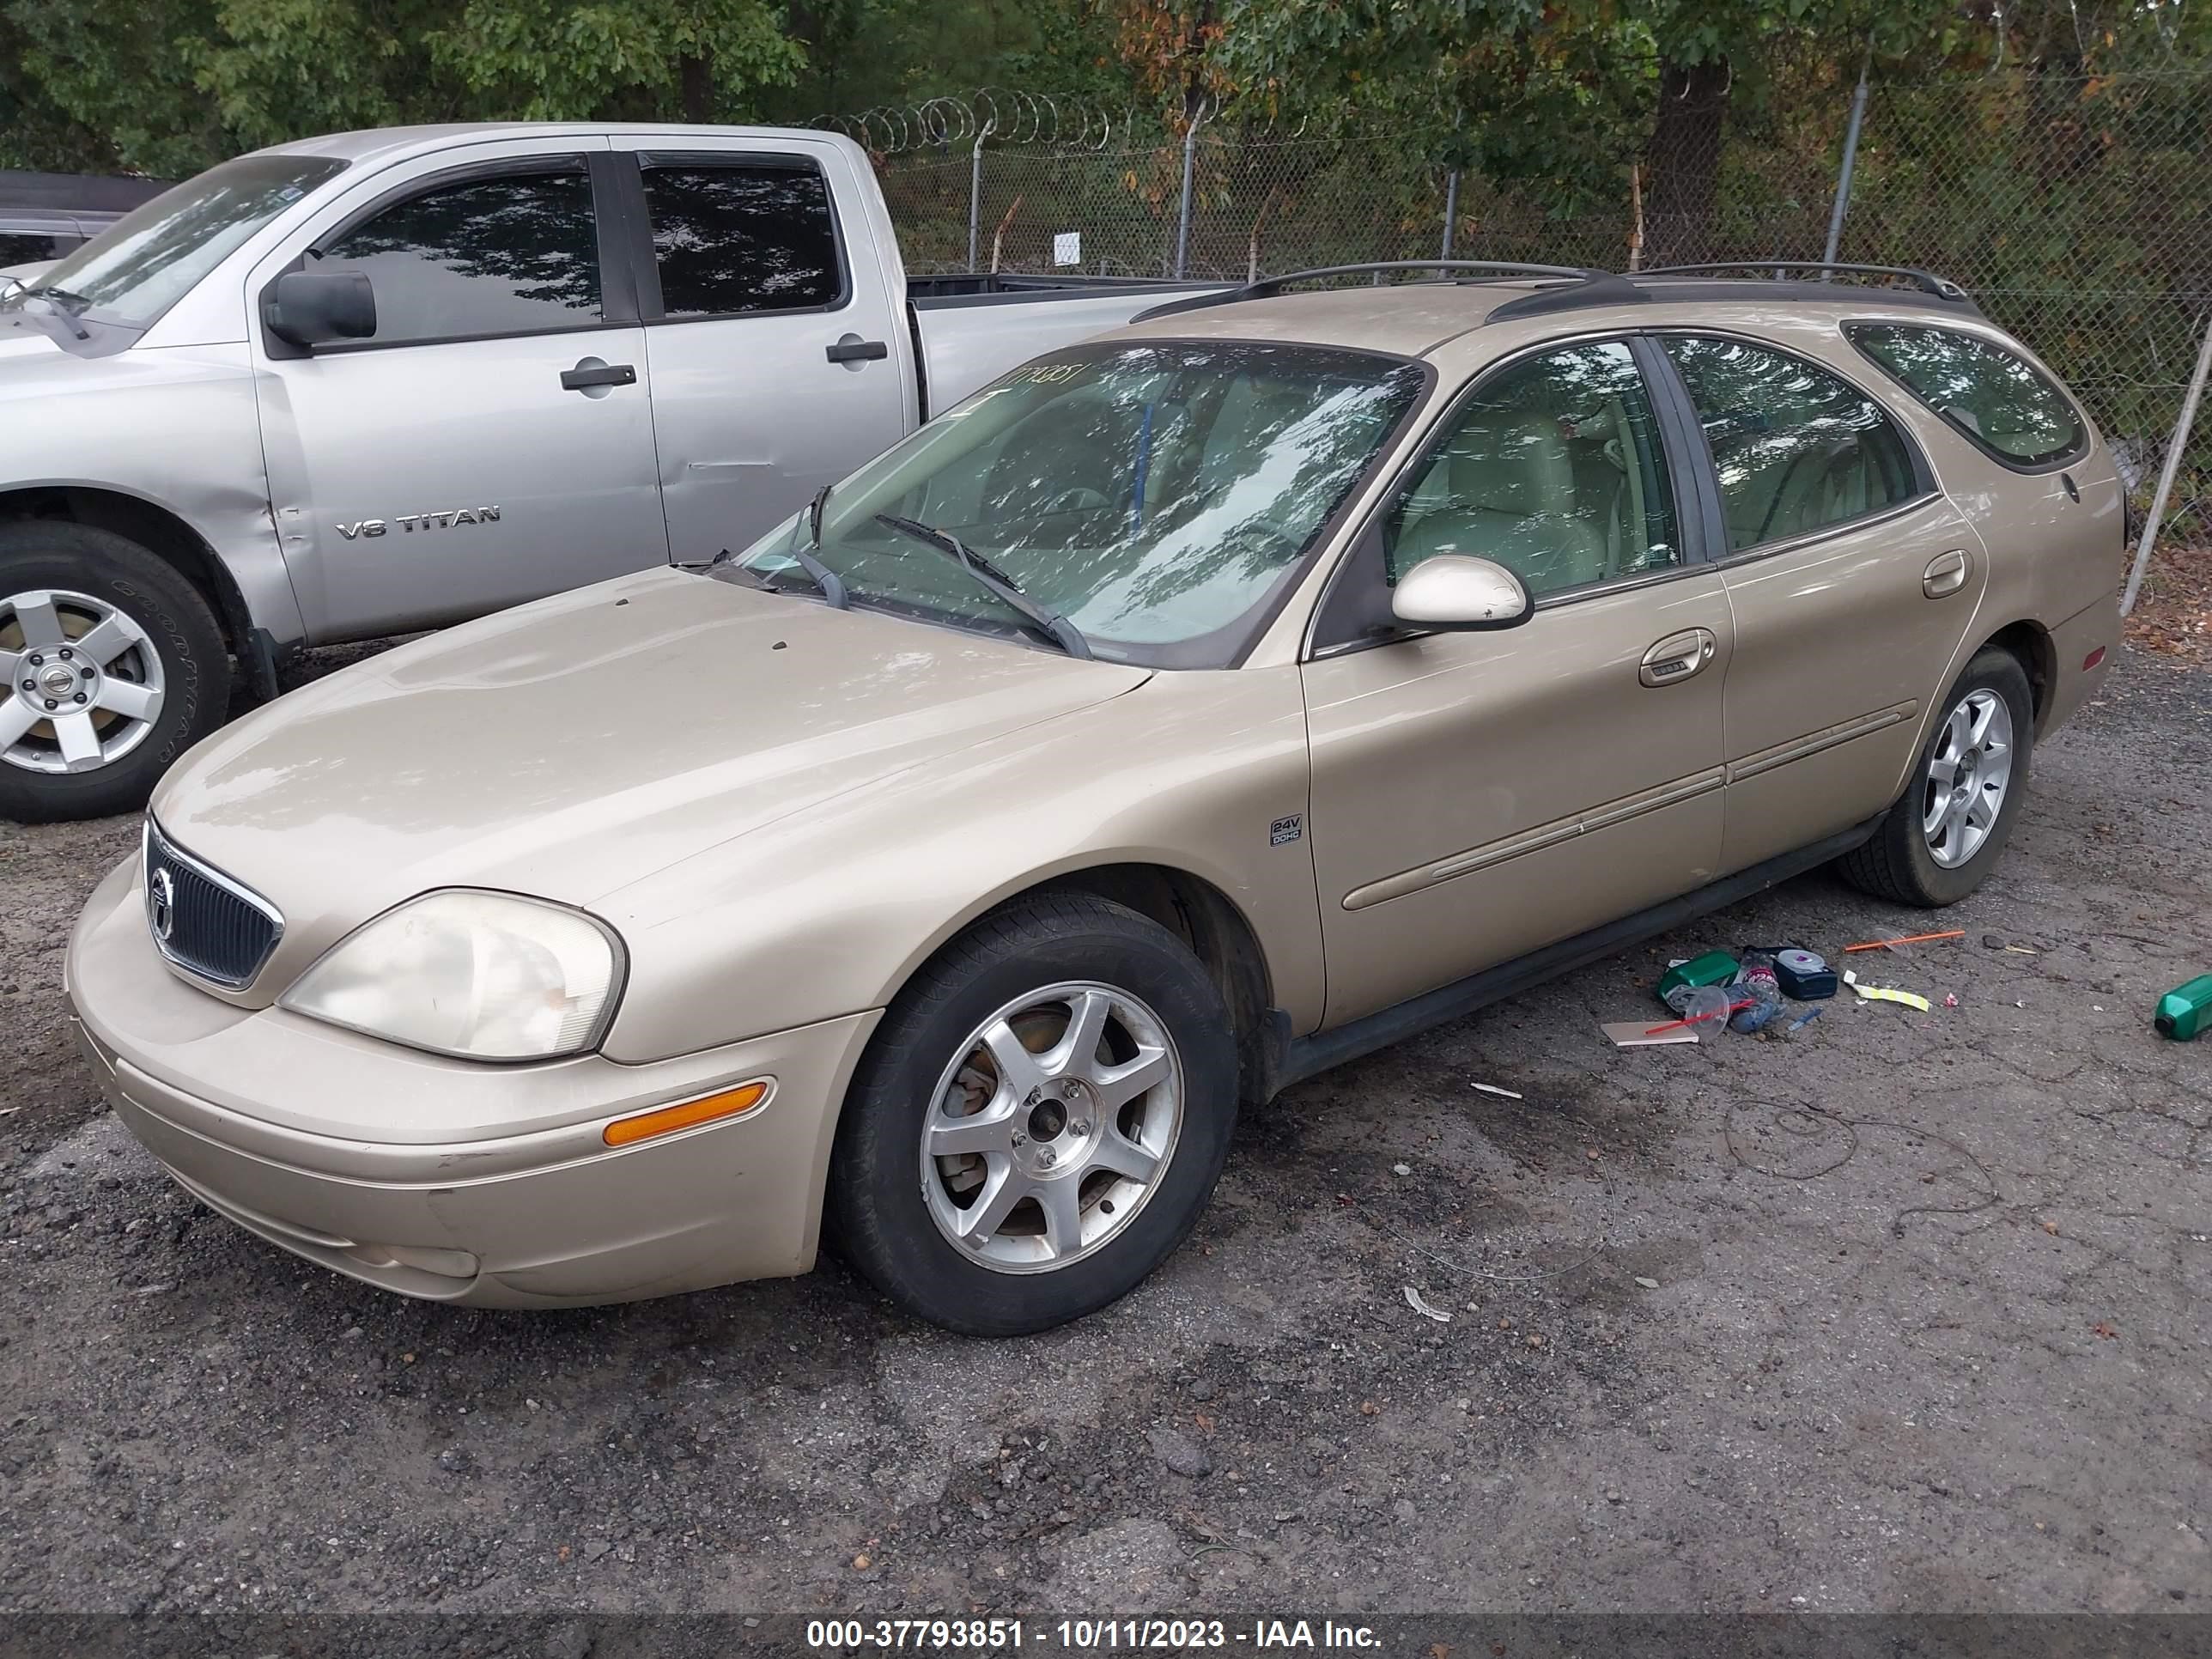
x=1182 y=714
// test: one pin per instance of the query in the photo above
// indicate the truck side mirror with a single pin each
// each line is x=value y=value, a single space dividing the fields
x=306 y=309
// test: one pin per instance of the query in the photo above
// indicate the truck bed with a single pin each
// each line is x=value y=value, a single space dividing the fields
x=971 y=327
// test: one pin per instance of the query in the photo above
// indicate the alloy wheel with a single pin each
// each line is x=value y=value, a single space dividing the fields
x=84 y=684
x=1968 y=776
x=1052 y=1128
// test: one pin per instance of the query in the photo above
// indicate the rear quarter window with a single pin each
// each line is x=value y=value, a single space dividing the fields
x=1995 y=398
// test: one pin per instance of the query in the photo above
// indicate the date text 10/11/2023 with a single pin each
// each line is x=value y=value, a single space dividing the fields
x=1084 y=1635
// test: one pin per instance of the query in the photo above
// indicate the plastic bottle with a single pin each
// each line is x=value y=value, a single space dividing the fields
x=1755 y=980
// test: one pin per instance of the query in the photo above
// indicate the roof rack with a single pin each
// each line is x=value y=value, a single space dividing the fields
x=1268 y=287
x=1926 y=280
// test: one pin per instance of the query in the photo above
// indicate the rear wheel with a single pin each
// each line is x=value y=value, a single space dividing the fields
x=1039 y=1120
x=114 y=667
x=1944 y=835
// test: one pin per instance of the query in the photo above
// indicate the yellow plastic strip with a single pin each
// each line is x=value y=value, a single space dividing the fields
x=1883 y=994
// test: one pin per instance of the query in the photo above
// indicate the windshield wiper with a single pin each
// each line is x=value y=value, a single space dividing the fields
x=1062 y=632
x=831 y=584
x=62 y=306
x=814 y=514
x=725 y=562
x=64 y=299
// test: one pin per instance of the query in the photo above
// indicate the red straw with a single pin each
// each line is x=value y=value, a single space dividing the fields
x=1717 y=1013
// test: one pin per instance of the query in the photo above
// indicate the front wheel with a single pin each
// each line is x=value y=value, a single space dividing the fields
x=1039 y=1120
x=1944 y=836
x=114 y=667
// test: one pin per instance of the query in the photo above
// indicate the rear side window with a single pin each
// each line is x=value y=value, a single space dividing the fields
x=1996 y=399
x=733 y=238
x=1798 y=449
x=511 y=254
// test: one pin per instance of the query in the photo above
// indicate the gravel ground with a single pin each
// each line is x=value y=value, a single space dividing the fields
x=1908 y=1312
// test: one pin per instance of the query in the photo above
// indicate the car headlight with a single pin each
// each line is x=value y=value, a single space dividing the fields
x=480 y=976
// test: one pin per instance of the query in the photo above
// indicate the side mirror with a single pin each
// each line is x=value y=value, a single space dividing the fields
x=1452 y=592
x=306 y=309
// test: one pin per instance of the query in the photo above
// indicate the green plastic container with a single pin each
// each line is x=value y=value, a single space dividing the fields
x=2185 y=1010
x=1714 y=968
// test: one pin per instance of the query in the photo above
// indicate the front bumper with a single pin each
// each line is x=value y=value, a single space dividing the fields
x=462 y=1182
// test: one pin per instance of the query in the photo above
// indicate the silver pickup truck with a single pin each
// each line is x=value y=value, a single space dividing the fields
x=383 y=381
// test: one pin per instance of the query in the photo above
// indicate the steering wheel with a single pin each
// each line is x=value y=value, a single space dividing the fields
x=1284 y=545
x=1081 y=499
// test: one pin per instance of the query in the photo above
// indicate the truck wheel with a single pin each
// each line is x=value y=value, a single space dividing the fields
x=1944 y=835
x=115 y=667
x=1038 y=1121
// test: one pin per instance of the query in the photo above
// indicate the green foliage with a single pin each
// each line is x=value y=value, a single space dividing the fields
x=167 y=87
x=555 y=60
x=863 y=53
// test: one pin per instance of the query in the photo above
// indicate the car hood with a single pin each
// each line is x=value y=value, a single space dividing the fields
x=570 y=747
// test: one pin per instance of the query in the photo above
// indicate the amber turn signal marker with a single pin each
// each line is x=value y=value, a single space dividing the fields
x=667 y=1120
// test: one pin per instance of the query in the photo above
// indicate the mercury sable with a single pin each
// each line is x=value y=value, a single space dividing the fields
x=1185 y=712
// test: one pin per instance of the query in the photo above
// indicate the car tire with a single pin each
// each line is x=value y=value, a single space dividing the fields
x=68 y=580
x=1922 y=854
x=1054 y=1127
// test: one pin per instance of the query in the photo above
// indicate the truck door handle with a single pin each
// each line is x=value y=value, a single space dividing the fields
x=1677 y=657
x=852 y=348
x=1945 y=573
x=592 y=372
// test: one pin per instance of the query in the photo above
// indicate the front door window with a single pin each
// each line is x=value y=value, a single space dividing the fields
x=1554 y=470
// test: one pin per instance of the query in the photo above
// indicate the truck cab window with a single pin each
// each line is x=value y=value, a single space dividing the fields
x=729 y=240
x=486 y=256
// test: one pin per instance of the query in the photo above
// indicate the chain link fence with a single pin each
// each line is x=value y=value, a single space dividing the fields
x=2078 y=211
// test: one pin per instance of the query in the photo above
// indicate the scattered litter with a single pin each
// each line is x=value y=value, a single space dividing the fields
x=1679 y=980
x=1909 y=939
x=1421 y=1305
x=1401 y=1168
x=1492 y=1088
x=1950 y=999
x=1885 y=993
x=2022 y=950
x=2184 y=1010
x=1648 y=1284
x=1758 y=983
x=1634 y=1034
x=1801 y=1023
x=10 y=1111
x=1702 y=1004
x=1803 y=974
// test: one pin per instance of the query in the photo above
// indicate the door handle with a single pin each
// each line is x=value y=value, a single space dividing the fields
x=852 y=348
x=1945 y=573
x=592 y=372
x=1677 y=657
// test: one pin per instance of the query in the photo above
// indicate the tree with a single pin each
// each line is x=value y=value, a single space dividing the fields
x=167 y=87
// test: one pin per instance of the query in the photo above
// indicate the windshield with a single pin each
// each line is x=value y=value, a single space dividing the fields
x=148 y=260
x=1159 y=497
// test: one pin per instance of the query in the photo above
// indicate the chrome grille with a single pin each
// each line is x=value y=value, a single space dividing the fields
x=203 y=921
